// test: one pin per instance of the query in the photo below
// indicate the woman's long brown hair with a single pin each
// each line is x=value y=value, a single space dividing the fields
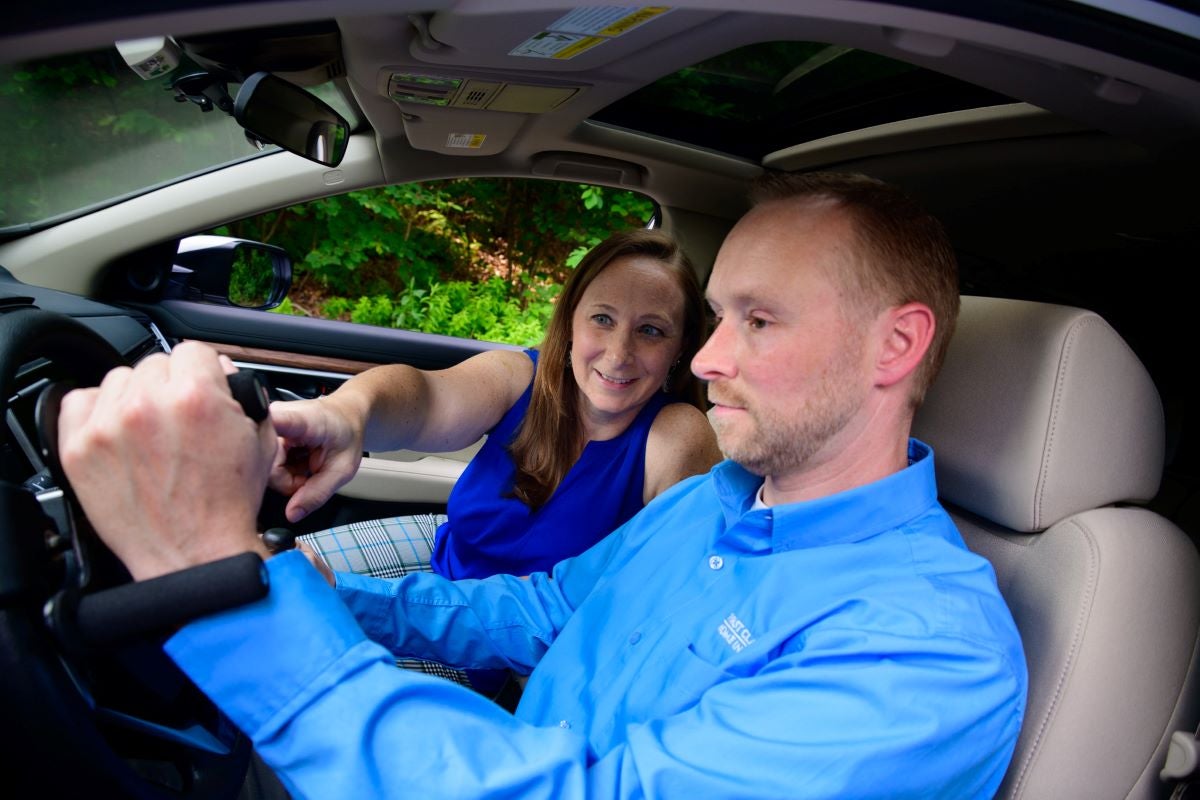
x=551 y=436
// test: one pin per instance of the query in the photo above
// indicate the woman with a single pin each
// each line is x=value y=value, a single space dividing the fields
x=582 y=432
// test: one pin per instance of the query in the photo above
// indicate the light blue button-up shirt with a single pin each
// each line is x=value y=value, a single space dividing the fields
x=849 y=646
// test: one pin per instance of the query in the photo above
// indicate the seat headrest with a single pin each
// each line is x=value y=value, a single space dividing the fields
x=1041 y=411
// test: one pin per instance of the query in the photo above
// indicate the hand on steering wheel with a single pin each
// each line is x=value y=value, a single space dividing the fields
x=118 y=711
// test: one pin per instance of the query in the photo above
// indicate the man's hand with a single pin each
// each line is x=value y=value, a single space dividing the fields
x=320 y=447
x=165 y=463
x=317 y=562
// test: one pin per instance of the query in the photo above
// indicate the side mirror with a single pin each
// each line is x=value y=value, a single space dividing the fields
x=238 y=272
x=273 y=110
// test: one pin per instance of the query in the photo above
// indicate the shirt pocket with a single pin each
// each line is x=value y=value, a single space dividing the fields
x=687 y=678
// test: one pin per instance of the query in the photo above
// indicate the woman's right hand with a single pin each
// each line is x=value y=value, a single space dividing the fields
x=320 y=447
x=390 y=407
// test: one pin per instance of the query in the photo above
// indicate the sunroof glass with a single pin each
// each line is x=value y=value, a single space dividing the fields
x=764 y=97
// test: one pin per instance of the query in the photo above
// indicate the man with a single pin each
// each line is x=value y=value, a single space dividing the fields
x=803 y=621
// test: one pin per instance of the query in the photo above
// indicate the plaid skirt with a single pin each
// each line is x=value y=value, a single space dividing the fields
x=385 y=548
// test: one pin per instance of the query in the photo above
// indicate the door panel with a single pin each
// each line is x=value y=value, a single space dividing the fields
x=182 y=319
x=407 y=476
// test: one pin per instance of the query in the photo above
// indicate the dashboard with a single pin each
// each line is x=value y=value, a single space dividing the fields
x=133 y=337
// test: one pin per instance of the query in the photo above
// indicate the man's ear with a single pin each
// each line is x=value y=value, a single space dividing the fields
x=905 y=335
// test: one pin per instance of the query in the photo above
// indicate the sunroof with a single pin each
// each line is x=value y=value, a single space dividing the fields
x=764 y=97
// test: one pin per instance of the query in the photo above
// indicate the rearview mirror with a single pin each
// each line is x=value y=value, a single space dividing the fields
x=273 y=110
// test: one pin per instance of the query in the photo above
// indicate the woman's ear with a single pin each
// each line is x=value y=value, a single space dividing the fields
x=905 y=333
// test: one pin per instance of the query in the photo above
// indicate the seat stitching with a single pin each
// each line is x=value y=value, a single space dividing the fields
x=1080 y=625
x=1060 y=380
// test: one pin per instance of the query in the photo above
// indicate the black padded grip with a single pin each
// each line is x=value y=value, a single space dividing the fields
x=251 y=392
x=159 y=605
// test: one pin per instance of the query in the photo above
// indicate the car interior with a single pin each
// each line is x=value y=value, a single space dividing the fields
x=1055 y=140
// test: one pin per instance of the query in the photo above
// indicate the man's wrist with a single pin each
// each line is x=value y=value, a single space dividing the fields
x=156 y=565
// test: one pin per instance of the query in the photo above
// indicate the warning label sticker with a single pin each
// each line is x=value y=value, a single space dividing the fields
x=583 y=29
x=468 y=141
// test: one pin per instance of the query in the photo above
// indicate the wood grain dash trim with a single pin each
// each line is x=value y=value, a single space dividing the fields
x=281 y=358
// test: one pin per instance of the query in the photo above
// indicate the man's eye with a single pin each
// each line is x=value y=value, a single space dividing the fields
x=757 y=323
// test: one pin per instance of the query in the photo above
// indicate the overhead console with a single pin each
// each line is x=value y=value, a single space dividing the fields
x=474 y=105
x=448 y=112
x=448 y=91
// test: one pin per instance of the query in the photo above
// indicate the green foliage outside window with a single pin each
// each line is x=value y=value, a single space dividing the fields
x=475 y=258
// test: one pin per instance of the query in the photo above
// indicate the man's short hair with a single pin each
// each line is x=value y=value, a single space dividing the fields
x=903 y=254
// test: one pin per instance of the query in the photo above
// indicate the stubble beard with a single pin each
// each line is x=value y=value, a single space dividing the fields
x=778 y=442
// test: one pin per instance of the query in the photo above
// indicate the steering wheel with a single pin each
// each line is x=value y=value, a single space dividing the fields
x=119 y=721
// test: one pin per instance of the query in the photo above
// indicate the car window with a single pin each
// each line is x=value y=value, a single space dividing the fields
x=85 y=131
x=479 y=258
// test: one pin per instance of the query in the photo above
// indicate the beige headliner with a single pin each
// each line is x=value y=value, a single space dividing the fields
x=1147 y=111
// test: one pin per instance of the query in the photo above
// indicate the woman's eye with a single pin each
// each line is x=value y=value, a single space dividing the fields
x=602 y=319
x=650 y=330
x=757 y=323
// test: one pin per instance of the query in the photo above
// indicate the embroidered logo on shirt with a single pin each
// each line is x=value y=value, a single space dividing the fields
x=735 y=633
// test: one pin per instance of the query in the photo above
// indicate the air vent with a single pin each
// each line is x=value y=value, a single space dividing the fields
x=476 y=94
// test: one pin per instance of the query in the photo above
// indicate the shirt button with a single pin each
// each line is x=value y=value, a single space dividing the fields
x=716 y=562
x=635 y=638
x=562 y=723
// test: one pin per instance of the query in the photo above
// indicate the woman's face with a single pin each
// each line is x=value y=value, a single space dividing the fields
x=626 y=333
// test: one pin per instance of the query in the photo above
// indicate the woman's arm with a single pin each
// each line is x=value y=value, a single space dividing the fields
x=681 y=444
x=388 y=408
x=402 y=407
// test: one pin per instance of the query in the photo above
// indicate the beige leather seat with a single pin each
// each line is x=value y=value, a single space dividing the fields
x=1048 y=433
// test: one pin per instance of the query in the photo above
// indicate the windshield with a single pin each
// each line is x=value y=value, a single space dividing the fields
x=85 y=130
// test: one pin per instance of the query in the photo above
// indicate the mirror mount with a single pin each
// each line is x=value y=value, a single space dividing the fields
x=204 y=90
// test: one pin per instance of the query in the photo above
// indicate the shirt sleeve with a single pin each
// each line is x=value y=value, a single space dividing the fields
x=497 y=622
x=329 y=712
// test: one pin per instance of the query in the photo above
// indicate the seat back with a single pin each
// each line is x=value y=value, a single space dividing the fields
x=1047 y=433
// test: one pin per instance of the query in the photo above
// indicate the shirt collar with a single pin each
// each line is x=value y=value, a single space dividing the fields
x=845 y=517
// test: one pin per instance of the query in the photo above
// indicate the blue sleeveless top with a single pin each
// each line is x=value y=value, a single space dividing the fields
x=488 y=533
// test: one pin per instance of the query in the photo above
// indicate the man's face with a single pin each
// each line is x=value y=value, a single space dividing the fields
x=786 y=366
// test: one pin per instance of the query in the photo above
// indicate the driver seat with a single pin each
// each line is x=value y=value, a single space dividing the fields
x=1048 y=434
